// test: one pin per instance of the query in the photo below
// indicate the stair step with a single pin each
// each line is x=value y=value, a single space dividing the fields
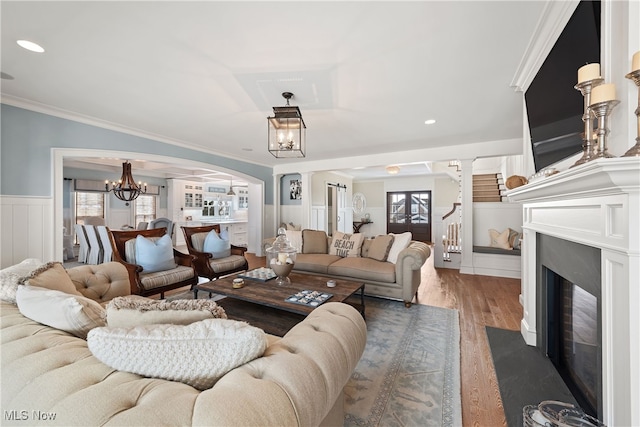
x=486 y=186
x=487 y=198
x=490 y=192
x=485 y=181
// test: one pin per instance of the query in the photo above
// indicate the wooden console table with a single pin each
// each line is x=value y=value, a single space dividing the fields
x=358 y=224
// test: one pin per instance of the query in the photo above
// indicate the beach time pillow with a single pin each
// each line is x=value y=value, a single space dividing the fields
x=346 y=245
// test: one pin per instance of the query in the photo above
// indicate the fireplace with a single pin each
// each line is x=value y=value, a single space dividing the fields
x=587 y=214
x=569 y=314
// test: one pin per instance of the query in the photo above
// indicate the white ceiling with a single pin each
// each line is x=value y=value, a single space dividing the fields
x=365 y=74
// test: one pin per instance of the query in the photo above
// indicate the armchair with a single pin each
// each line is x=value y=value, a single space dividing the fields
x=206 y=265
x=145 y=284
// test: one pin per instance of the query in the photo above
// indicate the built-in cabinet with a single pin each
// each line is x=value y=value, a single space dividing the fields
x=237 y=232
x=193 y=204
x=192 y=196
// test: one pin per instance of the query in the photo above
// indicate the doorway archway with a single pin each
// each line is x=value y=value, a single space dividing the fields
x=256 y=187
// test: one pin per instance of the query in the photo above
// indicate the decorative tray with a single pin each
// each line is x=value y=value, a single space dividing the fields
x=309 y=298
x=261 y=274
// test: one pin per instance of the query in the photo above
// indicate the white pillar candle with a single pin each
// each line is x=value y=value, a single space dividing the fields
x=635 y=62
x=605 y=92
x=282 y=257
x=588 y=72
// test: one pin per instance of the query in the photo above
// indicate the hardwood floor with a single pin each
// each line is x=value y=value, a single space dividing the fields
x=481 y=301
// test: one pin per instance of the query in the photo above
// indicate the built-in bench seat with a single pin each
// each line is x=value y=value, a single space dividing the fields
x=495 y=251
x=490 y=261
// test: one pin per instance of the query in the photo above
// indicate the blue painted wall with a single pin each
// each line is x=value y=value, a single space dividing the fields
x=27 y=137
x=285 y=181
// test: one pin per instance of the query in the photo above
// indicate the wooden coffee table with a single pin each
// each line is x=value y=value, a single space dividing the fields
x=263 y=304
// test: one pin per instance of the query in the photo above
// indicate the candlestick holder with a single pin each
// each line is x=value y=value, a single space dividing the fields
x=635 y=150
x=602 y=110
x=587 y=137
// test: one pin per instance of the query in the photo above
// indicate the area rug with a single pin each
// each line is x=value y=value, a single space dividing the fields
x=409 y=374
x=525 y=375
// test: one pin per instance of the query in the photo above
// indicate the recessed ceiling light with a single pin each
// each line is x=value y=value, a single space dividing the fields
x=393 y=170
x=429 y=122
x=33 y=47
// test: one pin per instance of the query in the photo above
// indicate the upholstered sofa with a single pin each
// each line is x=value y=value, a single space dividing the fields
x=395 y=276
x=51 y=377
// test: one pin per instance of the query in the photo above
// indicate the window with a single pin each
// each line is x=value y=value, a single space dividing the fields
x=145 y=208
x=89 y=204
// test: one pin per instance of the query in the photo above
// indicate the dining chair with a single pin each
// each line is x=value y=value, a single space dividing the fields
x=95 y=248
x=162 y=222
x=105 y=241
x=142 y=225
x=84 y=243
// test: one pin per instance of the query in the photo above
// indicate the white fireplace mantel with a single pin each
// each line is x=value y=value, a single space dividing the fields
x=595 y=204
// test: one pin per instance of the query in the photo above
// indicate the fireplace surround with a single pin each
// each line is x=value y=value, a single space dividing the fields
x=596 y=204
x=569 y=315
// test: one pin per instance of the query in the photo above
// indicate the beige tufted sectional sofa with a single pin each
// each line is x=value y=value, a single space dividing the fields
x=50 y=377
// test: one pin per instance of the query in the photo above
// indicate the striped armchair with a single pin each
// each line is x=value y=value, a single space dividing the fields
x=157 y=282
x=206 y=264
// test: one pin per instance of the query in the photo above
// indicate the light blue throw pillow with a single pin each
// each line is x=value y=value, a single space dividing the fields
x=216 y=246
x=155 y=255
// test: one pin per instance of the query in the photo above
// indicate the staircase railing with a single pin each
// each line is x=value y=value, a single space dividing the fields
x=452 y=226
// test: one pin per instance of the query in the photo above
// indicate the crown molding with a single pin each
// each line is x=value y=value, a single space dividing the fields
x=104 y=124
x=553 y=19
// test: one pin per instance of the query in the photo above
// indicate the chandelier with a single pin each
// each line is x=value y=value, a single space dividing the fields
x=287 y=131
x=126 y=188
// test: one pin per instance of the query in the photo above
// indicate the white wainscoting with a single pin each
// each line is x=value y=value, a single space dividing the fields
x=318 y=217
x=26 y=228
x=497 y=265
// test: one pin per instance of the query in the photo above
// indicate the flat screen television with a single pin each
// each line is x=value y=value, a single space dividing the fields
x=554 y=107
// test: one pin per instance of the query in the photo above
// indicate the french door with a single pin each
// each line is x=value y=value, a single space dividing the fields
x=410 y=211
